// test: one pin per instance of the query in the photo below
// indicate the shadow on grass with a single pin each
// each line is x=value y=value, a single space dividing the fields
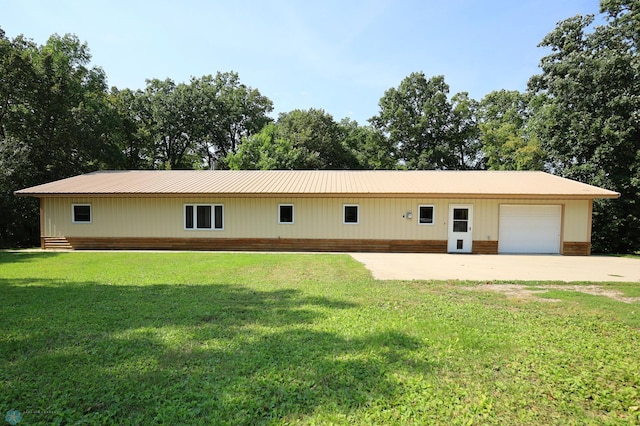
x=186 y=354
x=16 y=256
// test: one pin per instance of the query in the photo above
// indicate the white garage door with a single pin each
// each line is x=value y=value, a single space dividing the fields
x=529 y=229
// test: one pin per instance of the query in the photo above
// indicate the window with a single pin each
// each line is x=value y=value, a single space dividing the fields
x=350 y=214
x=203 y=216
x=425 y=215
x=81 y=213
x=285 y=213
x=460 y=220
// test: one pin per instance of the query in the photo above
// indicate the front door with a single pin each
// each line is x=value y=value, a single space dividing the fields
x=460 y=221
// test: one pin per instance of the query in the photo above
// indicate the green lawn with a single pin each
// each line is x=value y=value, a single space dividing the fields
x=201 y=338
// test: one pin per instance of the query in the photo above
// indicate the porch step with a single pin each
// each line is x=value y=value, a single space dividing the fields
x=57 y=243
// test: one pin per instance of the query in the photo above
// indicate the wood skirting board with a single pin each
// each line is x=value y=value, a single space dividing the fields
x=247 y=244
x=484 y=247
x=572 y=248
x=282 y=244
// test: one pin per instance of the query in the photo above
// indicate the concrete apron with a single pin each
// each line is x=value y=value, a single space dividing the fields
x=419 y=266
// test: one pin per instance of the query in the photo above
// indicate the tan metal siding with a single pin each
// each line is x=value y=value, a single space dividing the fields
x=576 y=221
x=323 y=218
x=380 y=218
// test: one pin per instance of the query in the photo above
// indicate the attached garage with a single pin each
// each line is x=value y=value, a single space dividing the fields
x=530 y=228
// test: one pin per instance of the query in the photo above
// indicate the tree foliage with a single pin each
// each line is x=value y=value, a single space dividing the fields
x=428 y=130
x=589 y=125
x=300 y=139
x=316 y=135
x=132 y=140
x=167 y=112
x=508 y=142
x=229 y=111
x=266 y=150
x=369 y=147
x=52 y=121
x=200 y=123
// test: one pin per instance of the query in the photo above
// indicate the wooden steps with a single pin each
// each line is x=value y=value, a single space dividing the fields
x=56 y=243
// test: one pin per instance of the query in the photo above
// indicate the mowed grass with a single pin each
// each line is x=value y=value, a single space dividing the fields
x=205 y=338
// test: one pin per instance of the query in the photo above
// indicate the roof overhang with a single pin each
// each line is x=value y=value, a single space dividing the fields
x=323 y=195
x=320 y=184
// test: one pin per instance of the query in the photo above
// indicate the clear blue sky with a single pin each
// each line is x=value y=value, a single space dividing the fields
x=338 y=55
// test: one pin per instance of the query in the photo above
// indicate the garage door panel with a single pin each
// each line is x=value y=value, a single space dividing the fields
x=530 y=228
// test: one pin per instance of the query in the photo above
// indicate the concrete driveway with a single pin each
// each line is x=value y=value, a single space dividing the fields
x=418 y=266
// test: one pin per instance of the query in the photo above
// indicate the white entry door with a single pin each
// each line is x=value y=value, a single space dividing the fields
x=460 y=224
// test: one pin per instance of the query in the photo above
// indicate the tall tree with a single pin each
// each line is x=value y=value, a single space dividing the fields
x=52 y=116
x=18 y=79
x=65 y=127
x=301 y=139
x=266 y=151
x=168 y=114
x=427 y=129
x=201 y=122
x=589 y=124
x=132 y=141
x=508 y=142
x=464 y=135
x=368 y=145
x=318 y=138
x=229 y=111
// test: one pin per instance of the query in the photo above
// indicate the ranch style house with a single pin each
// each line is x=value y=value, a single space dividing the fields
x=486 y=212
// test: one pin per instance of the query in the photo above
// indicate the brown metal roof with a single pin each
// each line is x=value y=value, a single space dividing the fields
x=318 y=183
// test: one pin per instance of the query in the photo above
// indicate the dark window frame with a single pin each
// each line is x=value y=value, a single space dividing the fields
x=280 y=215
x=75 y=214
x=203 y=217
x=433 y=214
x=347 y=215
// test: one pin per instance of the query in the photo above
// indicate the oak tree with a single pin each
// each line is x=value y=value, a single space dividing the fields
x=426 y=128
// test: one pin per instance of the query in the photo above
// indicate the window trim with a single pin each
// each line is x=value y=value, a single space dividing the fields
x=344 y=214
x=433 y=217
x=293 y=214
x=73 y=213
x=195 y=216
